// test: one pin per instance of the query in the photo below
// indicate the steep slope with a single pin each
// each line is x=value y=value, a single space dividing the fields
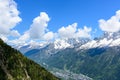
x=14 y=66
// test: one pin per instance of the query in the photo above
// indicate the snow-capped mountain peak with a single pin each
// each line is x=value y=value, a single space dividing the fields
x=107 y=40
x=94 y=43
x=61 y=44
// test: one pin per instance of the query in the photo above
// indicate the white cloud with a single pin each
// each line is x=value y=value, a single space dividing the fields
x=112 y=24
x=84 y=33
x=8 y=17
x=14 y=33
x=39 y=26
x=4 y=38
x=48 y=36
x=67 y=32
x=38 y=31
x=24 y=37
x=71 y=31
x=22 y=40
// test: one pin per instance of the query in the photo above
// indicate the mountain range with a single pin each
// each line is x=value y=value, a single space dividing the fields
x=97 y=58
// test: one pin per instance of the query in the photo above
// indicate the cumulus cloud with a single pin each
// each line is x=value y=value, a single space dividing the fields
x=67 y=32
x=38 y=30
x=22 y=40
x=9 y=18
x=71 y=31
x=24 y=37
x=48 y=36
x=112 y=24
x=14 y=33
x=39 y=26
x=83 y=33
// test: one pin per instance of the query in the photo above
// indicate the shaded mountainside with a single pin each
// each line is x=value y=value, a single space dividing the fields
x=14 y=66
x=97 y=63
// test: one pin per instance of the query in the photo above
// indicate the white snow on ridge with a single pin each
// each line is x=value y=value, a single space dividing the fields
x=115 y=42
x=90 y=44
x=105 y=42
x=101 y=43
x=61 y=44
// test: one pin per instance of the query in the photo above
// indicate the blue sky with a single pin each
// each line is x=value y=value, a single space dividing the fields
x=62 y=13
x=65 y=12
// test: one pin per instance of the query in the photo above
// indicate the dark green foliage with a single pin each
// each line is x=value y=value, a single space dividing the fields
x=14 y=66
x=2 y=74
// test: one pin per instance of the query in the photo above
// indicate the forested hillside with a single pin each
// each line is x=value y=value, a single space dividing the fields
x=14 y=66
